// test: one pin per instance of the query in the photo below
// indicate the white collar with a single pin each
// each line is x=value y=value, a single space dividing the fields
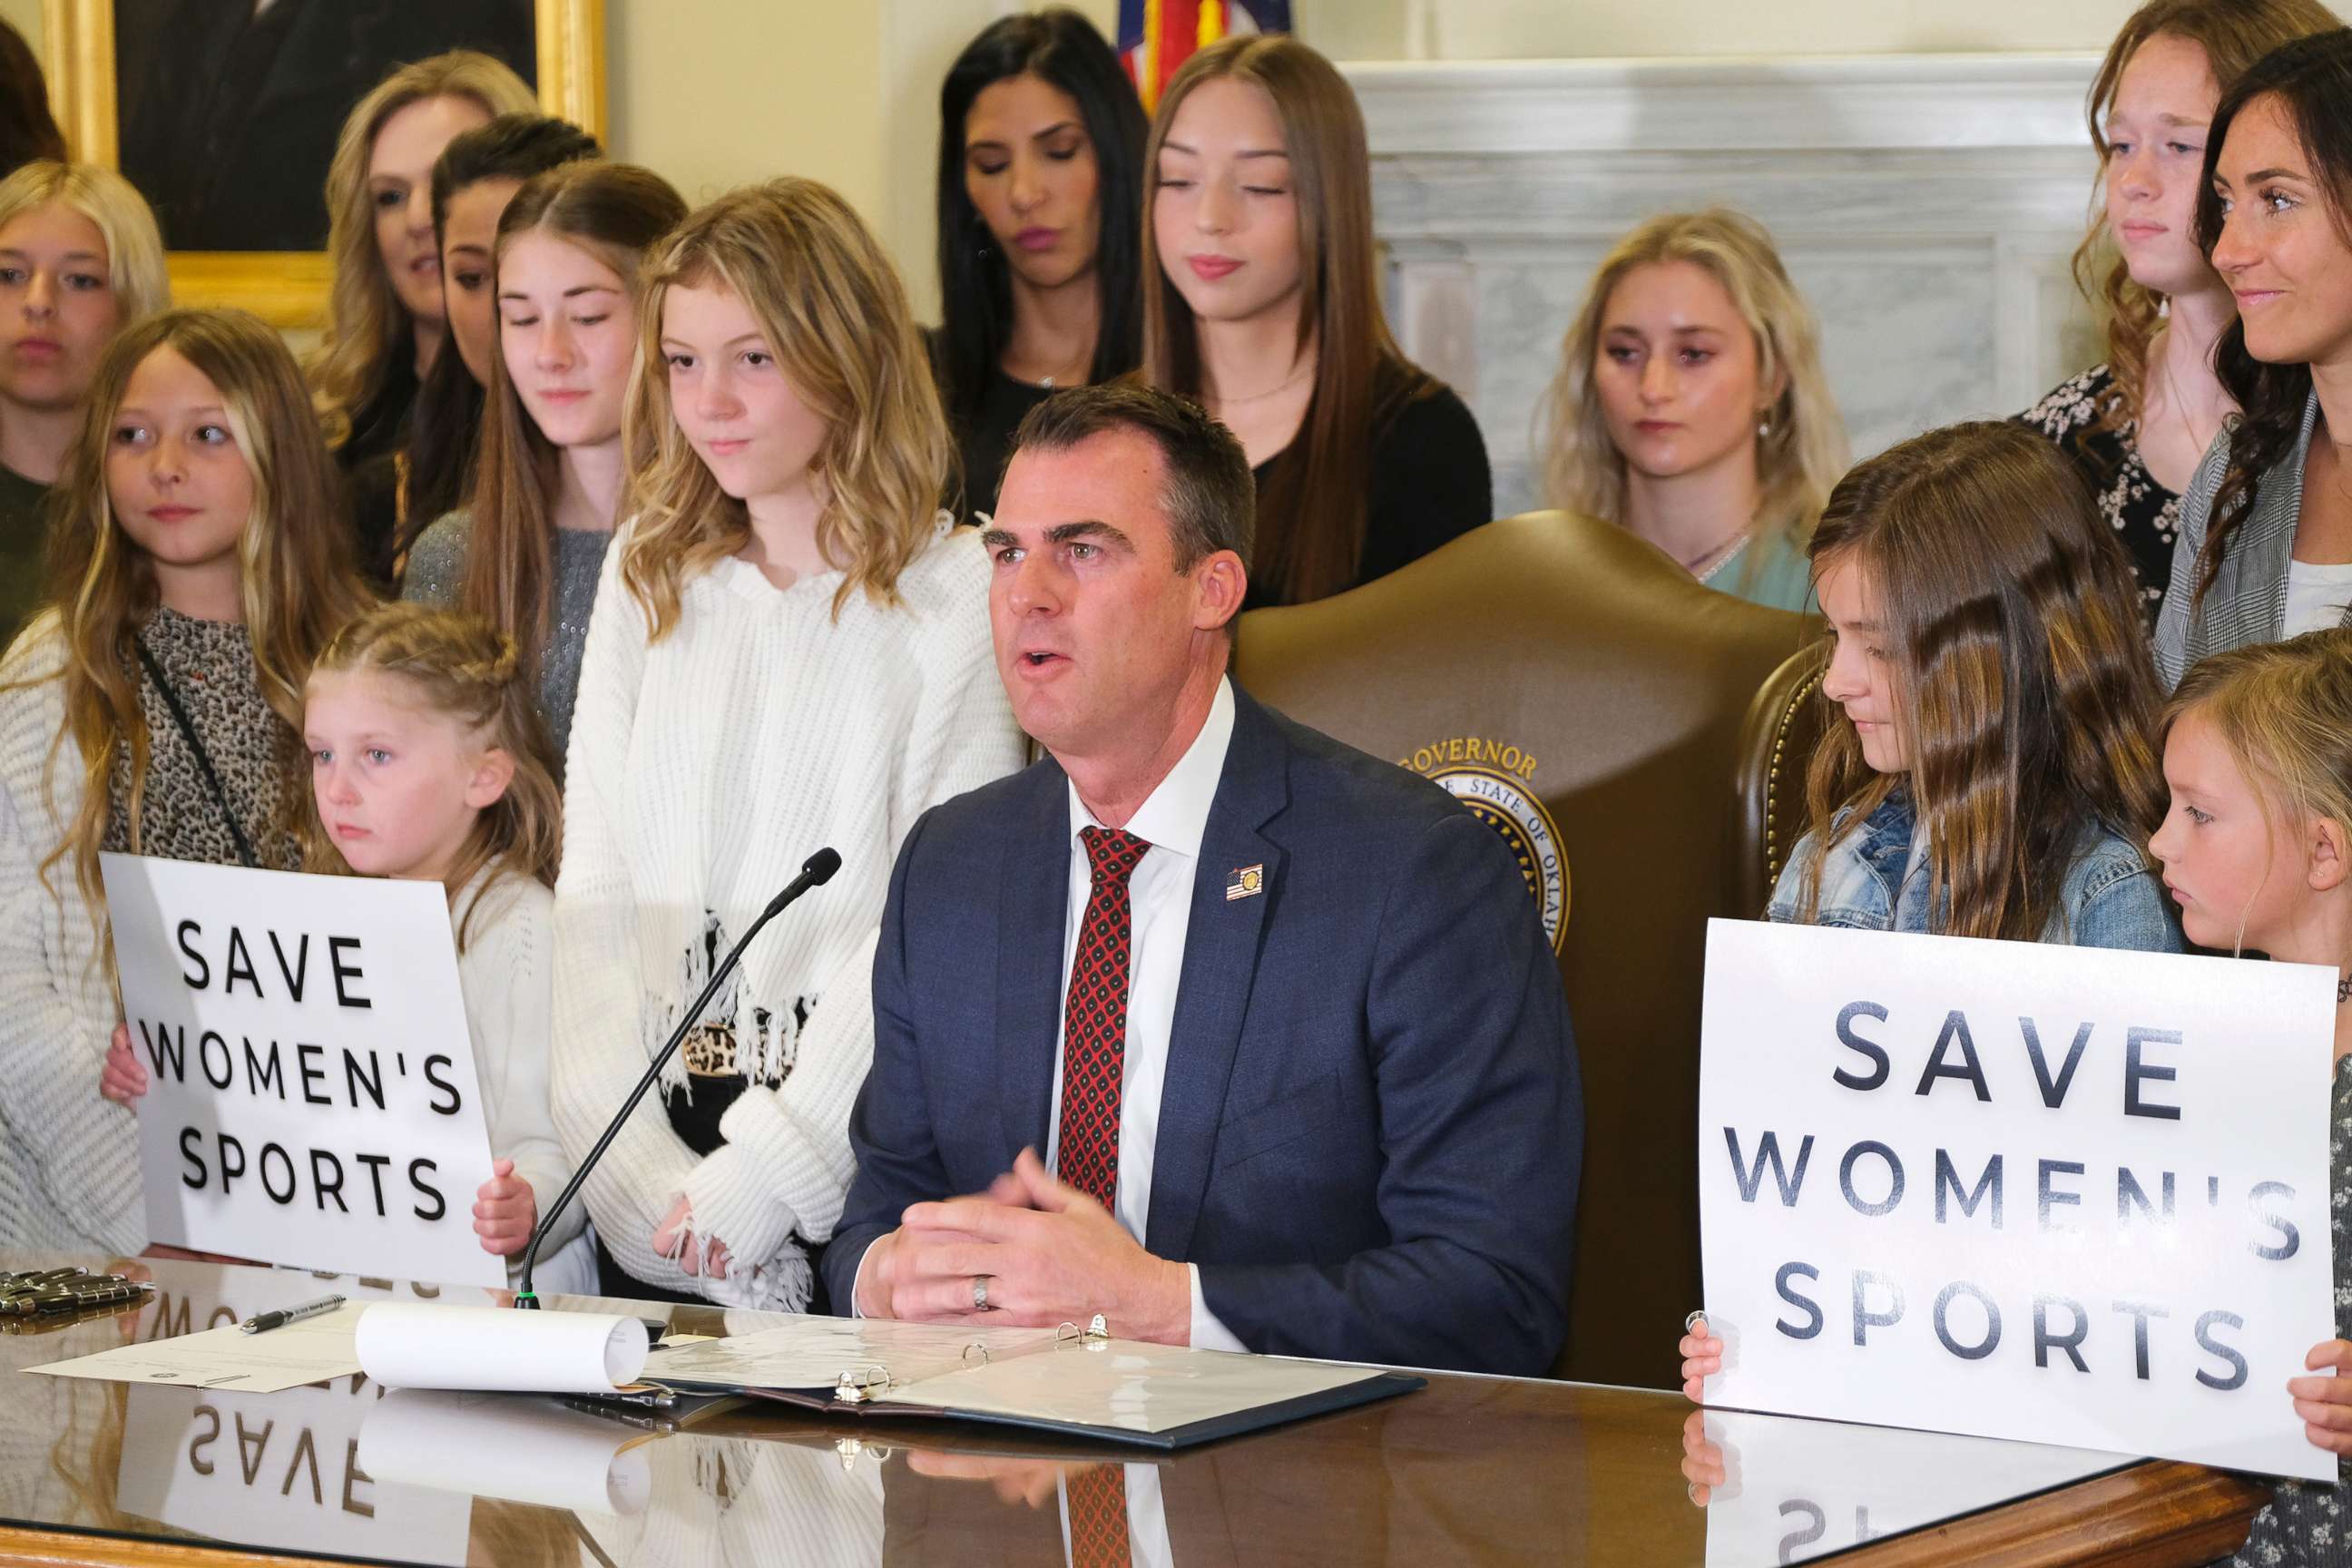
x=1175 y=814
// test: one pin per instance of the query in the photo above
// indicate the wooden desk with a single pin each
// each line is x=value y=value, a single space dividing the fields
x=1470 y=1471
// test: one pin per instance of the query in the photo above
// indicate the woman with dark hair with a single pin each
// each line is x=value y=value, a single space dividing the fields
x=28 y=131
x=1264 y=304
x=473 y=180
x=1040 y=186
x=2266 y=546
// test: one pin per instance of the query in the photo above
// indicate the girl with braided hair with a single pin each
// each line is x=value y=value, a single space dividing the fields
x=429 y=762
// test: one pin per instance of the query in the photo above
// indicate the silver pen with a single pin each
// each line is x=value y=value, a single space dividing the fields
x=262 y=1322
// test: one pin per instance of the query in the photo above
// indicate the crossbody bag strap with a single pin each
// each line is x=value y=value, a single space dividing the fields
x=170 y=696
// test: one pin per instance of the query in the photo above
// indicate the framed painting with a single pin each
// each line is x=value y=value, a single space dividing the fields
x=224 y=113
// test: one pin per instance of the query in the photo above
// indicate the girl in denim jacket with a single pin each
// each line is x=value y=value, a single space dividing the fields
x=1995 y=773
x=1995 y=770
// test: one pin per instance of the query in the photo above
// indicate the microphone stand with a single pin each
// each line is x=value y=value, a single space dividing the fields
x=815 y=872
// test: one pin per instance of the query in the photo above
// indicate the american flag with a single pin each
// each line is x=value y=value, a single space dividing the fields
x=1155 y=36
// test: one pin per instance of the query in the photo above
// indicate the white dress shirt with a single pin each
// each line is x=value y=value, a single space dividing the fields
x=1171 y=820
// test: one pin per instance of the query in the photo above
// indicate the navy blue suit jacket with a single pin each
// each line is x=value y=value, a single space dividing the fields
x=1372 y=1127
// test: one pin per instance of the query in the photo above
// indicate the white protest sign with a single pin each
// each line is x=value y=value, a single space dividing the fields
x=1794 y=1490
x=2023 y=1191
x=313 y=1097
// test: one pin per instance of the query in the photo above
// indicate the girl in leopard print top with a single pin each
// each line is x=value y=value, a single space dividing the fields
x=199 y=559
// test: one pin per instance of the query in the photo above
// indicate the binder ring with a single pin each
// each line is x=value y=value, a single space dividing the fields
x=856 y=1387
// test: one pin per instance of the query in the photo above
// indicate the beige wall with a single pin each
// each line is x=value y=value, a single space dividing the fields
x=715 y=92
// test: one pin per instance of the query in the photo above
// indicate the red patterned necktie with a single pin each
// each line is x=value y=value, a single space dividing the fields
x=1094 y=1027
x=1097 y=1499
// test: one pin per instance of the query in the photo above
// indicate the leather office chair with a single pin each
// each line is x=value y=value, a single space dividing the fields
x=1582 y=693
x=1776 y=746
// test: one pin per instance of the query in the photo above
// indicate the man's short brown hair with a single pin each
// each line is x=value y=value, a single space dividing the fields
x=1210 y=496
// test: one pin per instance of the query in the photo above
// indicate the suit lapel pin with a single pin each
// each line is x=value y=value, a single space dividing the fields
x=1245 y=882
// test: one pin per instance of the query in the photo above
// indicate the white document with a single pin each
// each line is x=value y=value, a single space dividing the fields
x=309 y=1351
x=1126 y=1385
x=1794 y=1490
x=312 y=1097
x=811 y=1354
x=494 y=1348
x=2061 y=1193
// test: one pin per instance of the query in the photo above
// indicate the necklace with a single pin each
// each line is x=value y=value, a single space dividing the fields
x=1070 y=374
x=1295 y=377
x=1708 y=563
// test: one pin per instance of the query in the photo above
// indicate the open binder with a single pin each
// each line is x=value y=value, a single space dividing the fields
x=1075 y=1382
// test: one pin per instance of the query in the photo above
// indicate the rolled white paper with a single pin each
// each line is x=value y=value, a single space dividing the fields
x=498 y=1349
x=503 y=1446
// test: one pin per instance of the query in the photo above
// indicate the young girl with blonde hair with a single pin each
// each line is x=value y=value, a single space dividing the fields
x=790 y=650
x=1690 y=405
x=198 y=565
x=386 y=317
x=2257 y=851
x=79 y=257
x=429 y=762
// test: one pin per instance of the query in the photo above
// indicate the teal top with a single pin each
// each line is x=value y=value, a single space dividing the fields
x=1769 y=569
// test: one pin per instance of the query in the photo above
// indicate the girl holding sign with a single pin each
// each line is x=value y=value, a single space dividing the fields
x=2258 y=852
x=790 y=650
x=1999 y=713
x=429 y=762
x=199 y=562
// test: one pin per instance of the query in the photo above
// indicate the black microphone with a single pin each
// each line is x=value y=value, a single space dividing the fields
x=815 y=872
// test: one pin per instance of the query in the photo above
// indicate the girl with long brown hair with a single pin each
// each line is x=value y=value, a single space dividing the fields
x=198 y=564
x=1990 y=769
x=2137 y=423
x=429 y=762
x=790 y=650
x=1264 y=304
x=526 y=553
x=386 y=315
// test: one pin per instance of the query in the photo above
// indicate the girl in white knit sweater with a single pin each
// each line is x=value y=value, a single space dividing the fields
x=790 y=650
x=429 y=762
x=198 y=562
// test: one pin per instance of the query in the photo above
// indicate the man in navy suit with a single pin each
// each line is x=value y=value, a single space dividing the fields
x=1233 y=1034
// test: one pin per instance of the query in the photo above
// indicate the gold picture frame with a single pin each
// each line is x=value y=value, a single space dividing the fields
x=286 y=288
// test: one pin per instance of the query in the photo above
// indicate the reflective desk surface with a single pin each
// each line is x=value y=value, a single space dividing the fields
x=1468 y=1470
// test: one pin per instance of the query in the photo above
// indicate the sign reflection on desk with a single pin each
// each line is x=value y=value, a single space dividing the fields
x=276 y=1469
x=1794 y=1489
